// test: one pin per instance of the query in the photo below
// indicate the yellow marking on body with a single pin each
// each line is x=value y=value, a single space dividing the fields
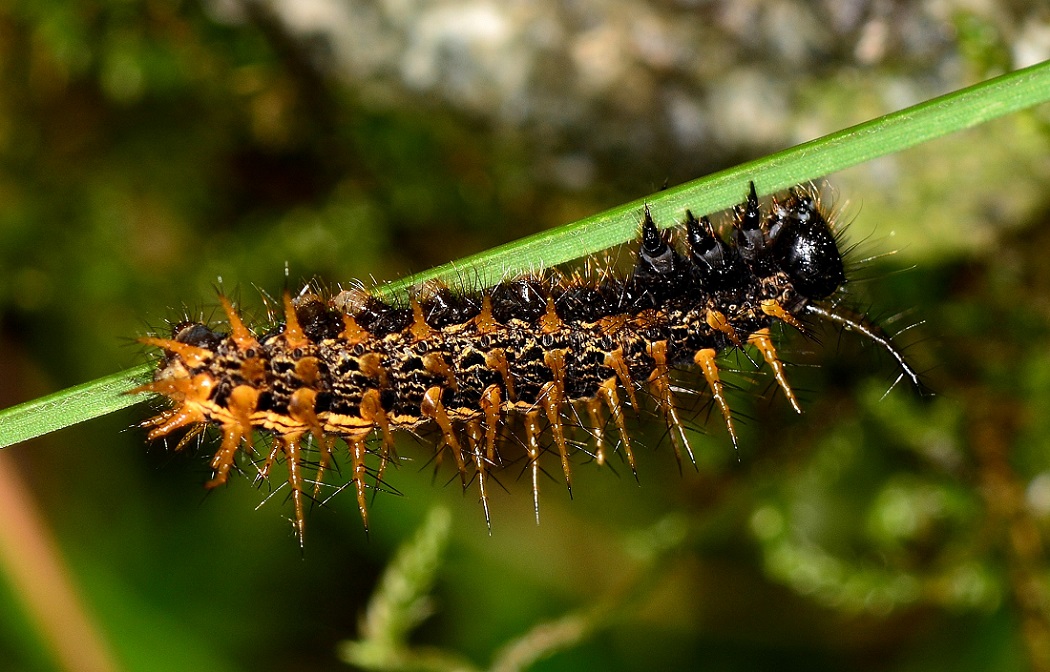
x=308 y=371
x=419 y=329
x=484 y=321
x=550 y=322
x=293 y=331
x=254 y=370
x=613 y=324
x=436 y=364
x=718 y=321
x=648 y=319
x=496 y=359
x=241 y=335
x=192 y=355
x=371 y=365
x=302 y=409
x=555 y=361
x=344 y=425
x=352 y=332
x=773 y=308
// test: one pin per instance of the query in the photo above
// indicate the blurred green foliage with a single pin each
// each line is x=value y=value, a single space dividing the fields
x=149 y=152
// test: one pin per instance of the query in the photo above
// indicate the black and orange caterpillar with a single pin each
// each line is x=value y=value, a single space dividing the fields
x=548 y=349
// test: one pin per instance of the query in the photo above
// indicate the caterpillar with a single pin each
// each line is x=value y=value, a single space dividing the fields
x=554 y=353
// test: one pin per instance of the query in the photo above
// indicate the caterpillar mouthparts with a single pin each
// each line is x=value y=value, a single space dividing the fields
x=549 y=350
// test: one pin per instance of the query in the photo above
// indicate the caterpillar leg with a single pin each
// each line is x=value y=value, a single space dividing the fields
x=475 y=437
x=190 y=393
x=773 y=308
x=552 y=401
x=491 y=404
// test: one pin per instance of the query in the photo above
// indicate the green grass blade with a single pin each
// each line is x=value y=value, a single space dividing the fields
x=888 y=134
x=70 y=406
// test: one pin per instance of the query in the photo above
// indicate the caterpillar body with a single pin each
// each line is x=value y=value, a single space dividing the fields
x=550 y=352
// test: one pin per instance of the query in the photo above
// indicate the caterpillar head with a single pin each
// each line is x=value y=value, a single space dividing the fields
x=805 y=248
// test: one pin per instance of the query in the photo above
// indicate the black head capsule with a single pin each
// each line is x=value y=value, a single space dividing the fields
x=717 y=265
x=750 y=238
x=805 y=248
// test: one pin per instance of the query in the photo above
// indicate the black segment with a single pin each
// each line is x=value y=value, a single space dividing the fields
x=199 y=335
x=444 y=309
x=716 y=265
x=520 y=299
x=381 y=319
x=318 y=321
x=749 y=238
x=583 y=303
x=660 y=273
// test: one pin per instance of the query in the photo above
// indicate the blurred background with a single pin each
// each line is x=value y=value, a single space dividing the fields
x=153 y=151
